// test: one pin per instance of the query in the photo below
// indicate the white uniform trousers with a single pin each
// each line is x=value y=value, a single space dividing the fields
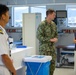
x=4 y=71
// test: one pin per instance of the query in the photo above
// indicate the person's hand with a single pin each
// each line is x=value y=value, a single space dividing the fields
x=14 y=73
x=74 y=41
x=54 y=40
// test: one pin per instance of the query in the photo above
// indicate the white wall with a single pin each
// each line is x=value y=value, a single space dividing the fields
x=25 y=2
x=65 y=1
x=56 y=7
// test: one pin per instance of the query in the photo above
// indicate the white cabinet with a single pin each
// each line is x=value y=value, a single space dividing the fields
x=30 y=24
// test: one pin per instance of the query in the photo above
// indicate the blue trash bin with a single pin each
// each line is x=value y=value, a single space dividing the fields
x=37 y=65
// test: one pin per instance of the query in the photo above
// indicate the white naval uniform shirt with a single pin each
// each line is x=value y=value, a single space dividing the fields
x=4 y=45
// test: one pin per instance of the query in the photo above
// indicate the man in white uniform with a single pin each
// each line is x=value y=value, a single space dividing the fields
x=6 y=65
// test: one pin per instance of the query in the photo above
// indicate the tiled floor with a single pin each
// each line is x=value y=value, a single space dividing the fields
x=64 y=71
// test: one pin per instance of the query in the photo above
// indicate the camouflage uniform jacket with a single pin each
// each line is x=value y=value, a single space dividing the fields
x=45 y=32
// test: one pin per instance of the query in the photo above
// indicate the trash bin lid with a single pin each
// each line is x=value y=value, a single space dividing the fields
x=37 y=58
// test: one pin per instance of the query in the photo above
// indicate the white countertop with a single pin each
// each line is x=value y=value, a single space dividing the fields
x=17 y=54
x=15 y=50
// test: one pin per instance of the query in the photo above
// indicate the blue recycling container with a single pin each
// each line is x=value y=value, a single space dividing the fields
x=37 y=68
x=34 y=68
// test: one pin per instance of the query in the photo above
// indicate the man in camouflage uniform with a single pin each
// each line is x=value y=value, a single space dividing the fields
x=47 y=36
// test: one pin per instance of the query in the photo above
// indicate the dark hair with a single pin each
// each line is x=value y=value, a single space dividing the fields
x=3 y=9
x=49 y=11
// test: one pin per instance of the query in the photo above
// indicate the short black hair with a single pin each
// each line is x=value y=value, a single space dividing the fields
x=49 y=11
x=3 y=9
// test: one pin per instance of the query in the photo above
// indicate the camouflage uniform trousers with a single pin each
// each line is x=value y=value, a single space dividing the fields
x=52 y=65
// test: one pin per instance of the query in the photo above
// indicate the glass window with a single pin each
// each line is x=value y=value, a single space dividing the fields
x=17 y=12
x=17 y=19
x=71 y=13
x=39 y=9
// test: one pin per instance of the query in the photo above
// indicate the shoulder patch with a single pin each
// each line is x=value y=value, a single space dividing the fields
x=1 y=32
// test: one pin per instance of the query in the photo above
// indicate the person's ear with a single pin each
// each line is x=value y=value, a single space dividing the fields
x=3 y=16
